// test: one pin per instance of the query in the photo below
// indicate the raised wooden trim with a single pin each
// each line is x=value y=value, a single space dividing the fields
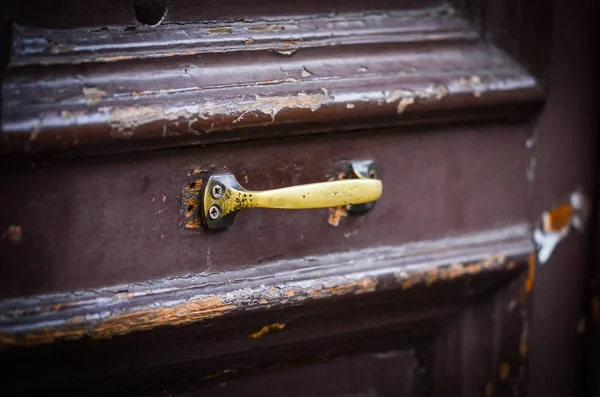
x=199 y=84
x=122 y=309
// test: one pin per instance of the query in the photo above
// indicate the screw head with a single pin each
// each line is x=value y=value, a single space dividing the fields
x=214 y=212
x=217 y=191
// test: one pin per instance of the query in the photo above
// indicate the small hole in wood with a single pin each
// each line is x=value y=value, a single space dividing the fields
x=192 y=185
x=150 y=12
x=372 y=175
x=190 y=208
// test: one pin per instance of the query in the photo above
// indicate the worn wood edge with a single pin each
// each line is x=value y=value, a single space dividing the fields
x=37 y=46
x=94 y=116
x=119 y=310
x=386 y=101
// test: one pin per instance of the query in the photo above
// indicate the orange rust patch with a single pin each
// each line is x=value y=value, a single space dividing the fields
x=504 y=370
x=529 y=281
x=267 y=329
x=557 y=219
x=290 y=292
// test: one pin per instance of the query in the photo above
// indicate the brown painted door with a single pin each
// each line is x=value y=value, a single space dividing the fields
x=466 y=278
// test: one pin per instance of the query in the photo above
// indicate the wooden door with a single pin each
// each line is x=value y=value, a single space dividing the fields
x=467 y=277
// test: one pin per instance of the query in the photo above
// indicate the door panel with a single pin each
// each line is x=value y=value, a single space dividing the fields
x=478 y=115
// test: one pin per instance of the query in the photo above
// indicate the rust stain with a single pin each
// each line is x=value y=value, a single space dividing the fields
x=529 y=281
x=14 y=234
x=267 y=329
x=504 y=370
x=219 y=30
x=249 y=41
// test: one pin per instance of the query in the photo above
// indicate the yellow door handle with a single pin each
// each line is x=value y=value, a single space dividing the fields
x=221 y=196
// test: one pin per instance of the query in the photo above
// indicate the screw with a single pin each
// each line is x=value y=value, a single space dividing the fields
x=213 y=212
x=217 y=191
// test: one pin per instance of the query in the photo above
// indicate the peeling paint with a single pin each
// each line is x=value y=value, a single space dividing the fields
x=403 y=104
x=93 y=95
x=267 y=329
x=456 y=270
x=556 y=224
x=128 y=118
x=122 y=309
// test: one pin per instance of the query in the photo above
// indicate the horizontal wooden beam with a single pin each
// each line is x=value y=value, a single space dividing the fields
x=119 y=310
x=71 y=92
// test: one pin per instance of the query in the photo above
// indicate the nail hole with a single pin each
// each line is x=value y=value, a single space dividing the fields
x=192 y=185
x=372 y=174
x=190 y=208
x=150 y=12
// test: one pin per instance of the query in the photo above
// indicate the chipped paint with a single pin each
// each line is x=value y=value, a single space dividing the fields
x=194 y=309
x=403 y=104
x=93 y=95
x=336 y=214
x=267 y=329
x=14 y=234
x=122 y=309
x=219 y=30
x=556 y=224
x=128 y=118
x=443 y=273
